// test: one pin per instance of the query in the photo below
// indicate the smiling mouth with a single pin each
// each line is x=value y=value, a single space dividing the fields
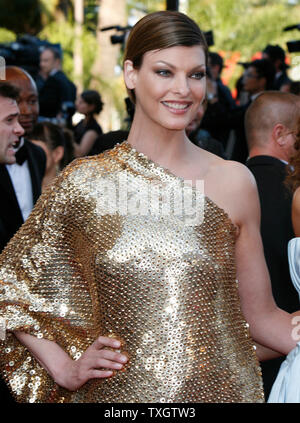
x=176 y=105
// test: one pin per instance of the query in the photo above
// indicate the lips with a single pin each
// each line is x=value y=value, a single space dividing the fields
x=27 y=124
x=177 y=106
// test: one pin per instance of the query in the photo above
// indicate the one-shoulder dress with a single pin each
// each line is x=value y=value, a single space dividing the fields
x=106 y=252
x=286 y=387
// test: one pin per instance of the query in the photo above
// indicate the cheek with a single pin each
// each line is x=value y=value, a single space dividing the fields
x=198 y=88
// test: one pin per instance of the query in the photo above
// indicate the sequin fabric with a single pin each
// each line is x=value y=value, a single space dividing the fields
x=167 y=290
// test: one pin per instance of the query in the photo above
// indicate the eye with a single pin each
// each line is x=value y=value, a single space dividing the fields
x=163 y=72
x=198 y=75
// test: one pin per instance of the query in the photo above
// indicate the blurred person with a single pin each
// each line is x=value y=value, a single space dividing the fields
x=87 y=131
x=286 y=386
x=56 y=92
x=292 y=87
x=271 y=127
x=216 y=66
x=51 y=139
x=202 y=137
x=276 y=55
x=28 y=100
x=257 y=77
x=219 y=101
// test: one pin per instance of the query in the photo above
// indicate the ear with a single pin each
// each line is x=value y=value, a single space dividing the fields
x=58 y=153
x=130 y=75
x=278 y=134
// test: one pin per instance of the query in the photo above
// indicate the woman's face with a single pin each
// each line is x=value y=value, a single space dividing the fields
x=83 y=107
x=169 y=86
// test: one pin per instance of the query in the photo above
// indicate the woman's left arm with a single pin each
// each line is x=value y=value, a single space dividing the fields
x=269 y=326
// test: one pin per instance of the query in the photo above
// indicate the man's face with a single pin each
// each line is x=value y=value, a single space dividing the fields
x=10 y=129
x=28 y=104
x=47 y=62
x=252 y=82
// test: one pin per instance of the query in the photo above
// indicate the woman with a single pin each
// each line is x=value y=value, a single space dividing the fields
x=87 y=130
x=58 y=148
x=286 y=385
x=108 y=251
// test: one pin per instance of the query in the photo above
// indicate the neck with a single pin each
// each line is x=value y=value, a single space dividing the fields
x=163 y=146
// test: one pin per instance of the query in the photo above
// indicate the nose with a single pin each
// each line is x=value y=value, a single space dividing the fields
x=25 y=108
x=181 y=85
x=18 y=129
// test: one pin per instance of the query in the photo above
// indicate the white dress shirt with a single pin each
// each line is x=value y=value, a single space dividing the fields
x=21 y=180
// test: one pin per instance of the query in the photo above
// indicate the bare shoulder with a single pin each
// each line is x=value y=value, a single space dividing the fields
x=232 y=176
x=233 y=187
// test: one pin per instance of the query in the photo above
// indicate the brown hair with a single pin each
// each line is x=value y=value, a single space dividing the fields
x=293 y=178
x=160 y=30
x=9 y=91
x=54 y=136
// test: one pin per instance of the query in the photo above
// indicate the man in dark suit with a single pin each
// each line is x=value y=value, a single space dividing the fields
x=276 y=55
x=20 y=182
x=258 y=77
x=56 y=91
x=271 y=128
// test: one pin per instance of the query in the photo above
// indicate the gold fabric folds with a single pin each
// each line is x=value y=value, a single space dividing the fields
x=79 y=268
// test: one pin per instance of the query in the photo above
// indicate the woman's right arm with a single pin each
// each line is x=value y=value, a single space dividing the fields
x=86 y=143
x=72 y=374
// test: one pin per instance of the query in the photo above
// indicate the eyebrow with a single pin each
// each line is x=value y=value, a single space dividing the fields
x=12 y=115
x=202 y=65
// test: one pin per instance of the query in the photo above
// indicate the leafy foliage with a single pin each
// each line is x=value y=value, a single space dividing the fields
x=245 y=26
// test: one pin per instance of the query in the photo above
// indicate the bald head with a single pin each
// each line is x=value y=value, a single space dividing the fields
x=268 y=110
x=28 y=98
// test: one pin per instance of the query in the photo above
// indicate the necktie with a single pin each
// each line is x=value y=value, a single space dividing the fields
x=21 y=155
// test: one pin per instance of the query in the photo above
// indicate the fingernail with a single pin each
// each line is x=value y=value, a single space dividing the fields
x=119 y=365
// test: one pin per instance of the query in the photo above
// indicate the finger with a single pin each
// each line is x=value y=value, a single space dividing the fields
x=93 y=374
x=107 y=364
x=104 y=341
x=113 y=356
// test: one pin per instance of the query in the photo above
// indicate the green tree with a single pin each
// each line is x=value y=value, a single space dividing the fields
x=245 y=26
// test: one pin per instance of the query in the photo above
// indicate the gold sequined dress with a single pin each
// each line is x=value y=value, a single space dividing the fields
x=79 y=268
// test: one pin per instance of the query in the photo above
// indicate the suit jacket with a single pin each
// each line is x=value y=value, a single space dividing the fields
x=50 y=97
x=10 y=214
x=276 y=231
x=276 y=226
x=68 y=88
